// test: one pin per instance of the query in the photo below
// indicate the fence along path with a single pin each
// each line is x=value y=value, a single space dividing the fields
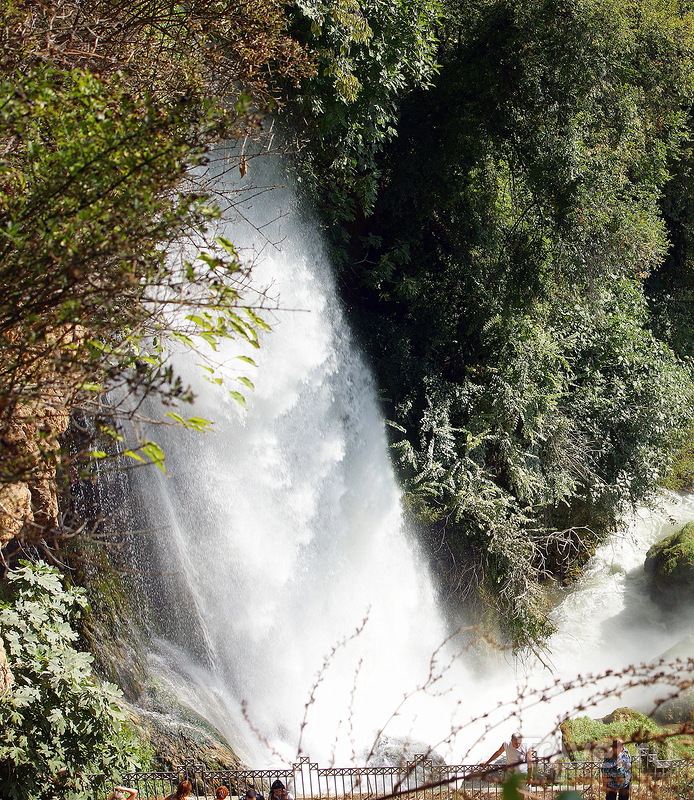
x=419 y=779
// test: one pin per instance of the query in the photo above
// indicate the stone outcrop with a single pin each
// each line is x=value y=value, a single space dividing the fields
x=15 y=510
x=6 y=677
x=670 y=564
x=676 y=711
x=396 y=751
x=679 y=710
x=35 y=403
x=30 y=438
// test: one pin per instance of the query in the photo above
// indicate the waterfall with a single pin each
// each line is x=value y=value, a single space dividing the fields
x=281 y=536
x=296 y=610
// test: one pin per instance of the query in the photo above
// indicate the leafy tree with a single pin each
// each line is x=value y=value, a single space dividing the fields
x=500 y=284
x=200 y=49
x=57 y=722
x=89 y=208
x=104 y=114
x=670 y=289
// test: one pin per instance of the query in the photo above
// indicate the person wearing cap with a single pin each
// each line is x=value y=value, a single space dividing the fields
x=616 y=772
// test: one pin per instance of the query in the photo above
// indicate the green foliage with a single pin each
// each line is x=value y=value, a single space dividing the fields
x=513 y=787
x=501 y=283
x=237 y=40
x=534 y=429
x=581 y=735
x=91 y=205
x=671 y=288
x=681 y=475
x=57 y=722
x=102 y=145
x=370 y=54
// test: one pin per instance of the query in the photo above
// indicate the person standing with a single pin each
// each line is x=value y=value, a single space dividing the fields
x=518 y=757
x=616 y=772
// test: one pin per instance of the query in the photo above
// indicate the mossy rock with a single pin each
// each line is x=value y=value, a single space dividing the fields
x=174 y=731
x=111 y=628
x=677 y=711
x=670 y=563
x=624 y=714
x=585 y=739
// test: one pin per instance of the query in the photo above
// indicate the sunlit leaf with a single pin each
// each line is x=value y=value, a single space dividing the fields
x=238 y=397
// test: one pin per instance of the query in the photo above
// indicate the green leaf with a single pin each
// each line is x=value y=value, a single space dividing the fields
x=112 y=432
x=199 y=424
x=182 y=337
x=154 y=453
x=210 y=338
x=227 y=245
x=238 y=397
x=511 y=786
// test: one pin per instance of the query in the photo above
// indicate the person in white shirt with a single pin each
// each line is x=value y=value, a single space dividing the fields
x=518 y=757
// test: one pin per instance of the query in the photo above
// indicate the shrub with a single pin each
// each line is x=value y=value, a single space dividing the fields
x=57 y=722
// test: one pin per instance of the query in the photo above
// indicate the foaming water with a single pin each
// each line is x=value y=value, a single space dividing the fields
x=605 y=625
x=622 y=624
x=296 y=609
x=609 y=620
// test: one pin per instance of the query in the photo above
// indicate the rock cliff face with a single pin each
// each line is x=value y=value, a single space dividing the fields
x=679 y=710
x=29 y=505
x=670 y=563
x=39 y=388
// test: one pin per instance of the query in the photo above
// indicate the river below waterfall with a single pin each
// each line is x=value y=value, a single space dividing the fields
x=295 y=610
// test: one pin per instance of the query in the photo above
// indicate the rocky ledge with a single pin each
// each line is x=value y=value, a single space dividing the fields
x=670 y=564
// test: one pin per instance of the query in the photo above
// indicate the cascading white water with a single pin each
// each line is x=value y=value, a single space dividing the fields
x=281 y=532
x=286 y=529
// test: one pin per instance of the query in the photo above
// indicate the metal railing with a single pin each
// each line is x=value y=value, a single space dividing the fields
x=419 y=779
